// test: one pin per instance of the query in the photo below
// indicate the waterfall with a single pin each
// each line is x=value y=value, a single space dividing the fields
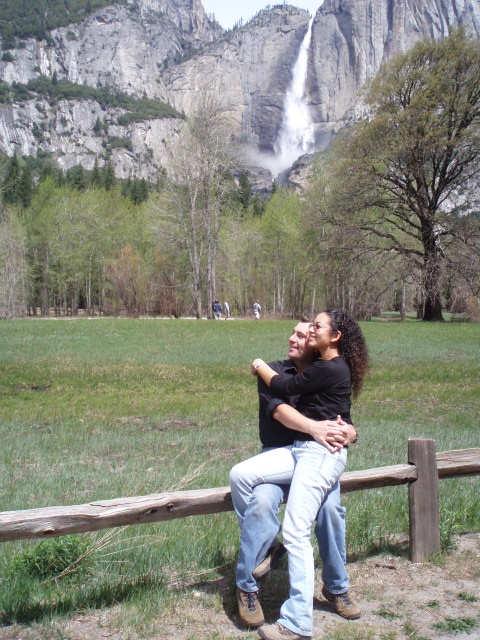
x=296 y=134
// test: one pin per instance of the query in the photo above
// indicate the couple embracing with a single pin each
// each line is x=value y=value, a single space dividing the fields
x=305 y=429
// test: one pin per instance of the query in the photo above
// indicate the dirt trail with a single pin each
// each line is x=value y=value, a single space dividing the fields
x=399 y=600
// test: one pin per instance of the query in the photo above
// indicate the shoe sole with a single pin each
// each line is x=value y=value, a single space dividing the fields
x=249 y=625
x=355 y=616
x=300 y=637
x=269 y=563
x=263 y=568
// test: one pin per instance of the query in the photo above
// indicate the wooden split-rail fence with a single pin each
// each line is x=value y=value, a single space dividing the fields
x=424 y=469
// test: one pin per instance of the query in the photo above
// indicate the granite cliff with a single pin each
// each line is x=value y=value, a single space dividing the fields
x=168 y=50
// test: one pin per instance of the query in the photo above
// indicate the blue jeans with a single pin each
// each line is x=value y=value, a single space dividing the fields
x=256 y=504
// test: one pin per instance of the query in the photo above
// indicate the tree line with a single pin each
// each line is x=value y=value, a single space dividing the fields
x=20 y=19
x=54 y=90
x=390 y=219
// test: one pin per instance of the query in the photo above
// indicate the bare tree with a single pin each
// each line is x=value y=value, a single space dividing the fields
x=200 y=179
x=13 y=267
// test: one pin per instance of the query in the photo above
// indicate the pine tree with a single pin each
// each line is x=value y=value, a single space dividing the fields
x=11 y=181
x=25 y=187
x=244 y=190
x=77 y=178
x=96 y=179
x=108 y=175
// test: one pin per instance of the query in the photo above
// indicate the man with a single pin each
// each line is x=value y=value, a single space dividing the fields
x=259 y=524
x=217 y=309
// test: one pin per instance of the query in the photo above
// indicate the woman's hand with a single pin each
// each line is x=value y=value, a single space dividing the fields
x=254 y=366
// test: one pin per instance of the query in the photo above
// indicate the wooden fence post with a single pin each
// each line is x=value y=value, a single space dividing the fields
x=424 y=504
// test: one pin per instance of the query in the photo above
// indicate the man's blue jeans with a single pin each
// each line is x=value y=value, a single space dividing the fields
x=257 y=513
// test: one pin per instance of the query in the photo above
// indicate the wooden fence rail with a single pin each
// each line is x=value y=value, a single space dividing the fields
x=421 y=474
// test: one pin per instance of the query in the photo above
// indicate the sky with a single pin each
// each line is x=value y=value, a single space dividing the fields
x=229 y=12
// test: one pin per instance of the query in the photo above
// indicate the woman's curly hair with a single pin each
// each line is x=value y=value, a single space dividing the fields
x=352 y=346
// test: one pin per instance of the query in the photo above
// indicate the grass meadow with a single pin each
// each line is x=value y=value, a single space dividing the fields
x=105 y=408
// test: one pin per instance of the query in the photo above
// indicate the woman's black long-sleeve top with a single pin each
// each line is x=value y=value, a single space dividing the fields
x=324 y=389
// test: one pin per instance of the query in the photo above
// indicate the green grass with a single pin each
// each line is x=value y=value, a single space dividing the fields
x=456 y=625
x=105 y=408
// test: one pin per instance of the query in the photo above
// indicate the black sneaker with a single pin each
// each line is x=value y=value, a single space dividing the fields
x=343 y=604
x=249 y=608
x=274 y=554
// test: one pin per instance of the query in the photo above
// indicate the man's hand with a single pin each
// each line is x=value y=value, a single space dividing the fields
x=327 y=433
x=351 y=434
x=333 y=434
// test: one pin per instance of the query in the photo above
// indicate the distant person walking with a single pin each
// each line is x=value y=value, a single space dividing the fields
x=217 y=309
x=256 y=310
x=226 y=308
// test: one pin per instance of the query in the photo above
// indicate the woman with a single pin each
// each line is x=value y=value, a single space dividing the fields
x=325 y=388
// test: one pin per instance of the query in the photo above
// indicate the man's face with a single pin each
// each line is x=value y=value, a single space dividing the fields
x=298 y=348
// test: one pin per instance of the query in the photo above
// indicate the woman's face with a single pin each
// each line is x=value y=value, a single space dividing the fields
x=320 y=333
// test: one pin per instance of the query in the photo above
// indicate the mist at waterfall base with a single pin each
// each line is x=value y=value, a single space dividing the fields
x=296 y=135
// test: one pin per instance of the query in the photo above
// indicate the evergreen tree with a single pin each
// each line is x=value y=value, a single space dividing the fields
x=96 y=178
x=244 y=190
x=257 y=205
x=97 y=127
x=11 y=181
x=77 y=178
x=48 y=171
x=127 y=187
x=25 y=187
x=108 y=175
x=139 y=191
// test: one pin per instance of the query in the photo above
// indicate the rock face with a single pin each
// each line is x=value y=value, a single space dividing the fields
x=125 y=47
x=170 y=50
x=250 y=68
x=351 y=38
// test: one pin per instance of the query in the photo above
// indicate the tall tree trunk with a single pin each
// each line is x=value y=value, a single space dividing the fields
x=212 y=228
x=431 y=275
x=419 y=303
x=402 y=303
x=192 y=242
x=197 y=291
x=44 y=288
x=210 y=239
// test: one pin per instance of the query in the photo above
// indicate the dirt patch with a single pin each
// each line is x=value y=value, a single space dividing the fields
x=399 y=601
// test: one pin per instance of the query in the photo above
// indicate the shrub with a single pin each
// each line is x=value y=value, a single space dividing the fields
x=50 y=558
x=456 y=625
